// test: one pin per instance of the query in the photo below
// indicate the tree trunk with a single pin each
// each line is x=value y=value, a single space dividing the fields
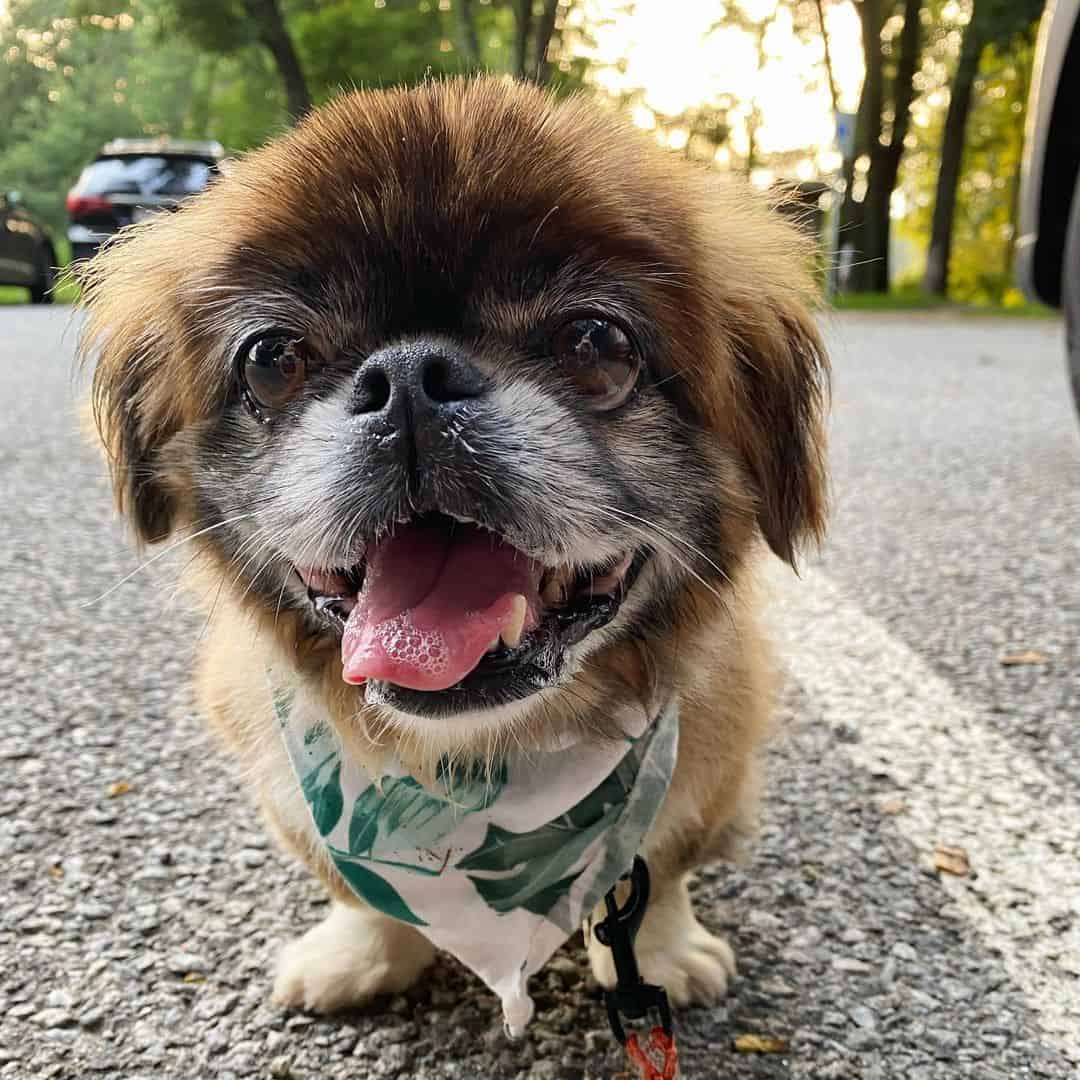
x=469 y=42
x=936 y=279
x=851 y=216
x=871 y=104
x=828 y=56
x=272 y=32
x=523 y=19
x=873 y=275
x=545 y=29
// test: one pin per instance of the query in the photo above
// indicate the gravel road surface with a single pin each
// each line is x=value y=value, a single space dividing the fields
x=141 y=906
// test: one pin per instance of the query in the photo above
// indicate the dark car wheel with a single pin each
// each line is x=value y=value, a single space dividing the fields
x=41 y=292
x=1070 y=291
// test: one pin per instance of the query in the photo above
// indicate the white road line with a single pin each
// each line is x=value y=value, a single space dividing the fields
x=963 y=785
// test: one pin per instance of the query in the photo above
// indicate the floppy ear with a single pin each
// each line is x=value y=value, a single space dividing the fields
x=129 y=336
x=780 y=394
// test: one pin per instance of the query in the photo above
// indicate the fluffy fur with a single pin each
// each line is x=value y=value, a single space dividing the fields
x=476 y=213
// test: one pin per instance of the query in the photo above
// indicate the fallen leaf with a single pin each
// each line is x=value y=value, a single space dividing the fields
x=121 y=787
x=1024 y=656
x=56 y=872
x=893 y=806
x=761 y=1044
x=951 y=860
x=194 y=977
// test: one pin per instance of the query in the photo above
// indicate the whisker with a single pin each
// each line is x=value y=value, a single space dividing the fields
x=651 y=525
x=161 y=555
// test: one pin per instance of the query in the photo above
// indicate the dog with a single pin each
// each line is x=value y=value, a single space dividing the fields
x=468 y=351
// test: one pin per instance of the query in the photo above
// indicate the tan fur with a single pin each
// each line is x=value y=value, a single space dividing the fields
x=747 y=361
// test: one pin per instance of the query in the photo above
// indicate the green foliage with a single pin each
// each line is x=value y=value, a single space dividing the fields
x=343 y=46
x=984 y=230
x=981 y=268
x=66 y=292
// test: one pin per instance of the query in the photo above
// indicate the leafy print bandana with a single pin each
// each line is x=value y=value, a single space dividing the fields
x=497 y=865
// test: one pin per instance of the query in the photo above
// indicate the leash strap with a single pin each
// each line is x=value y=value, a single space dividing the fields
x=633 y=998
x=658 y=1059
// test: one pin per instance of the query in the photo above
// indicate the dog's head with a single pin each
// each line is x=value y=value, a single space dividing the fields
x=478 y=387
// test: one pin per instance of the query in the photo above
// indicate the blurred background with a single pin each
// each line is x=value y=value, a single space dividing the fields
x=897 y=124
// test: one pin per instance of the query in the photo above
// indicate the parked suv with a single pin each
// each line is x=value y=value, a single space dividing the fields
x=131 y=179
x=1048 y=242
x=27 y=256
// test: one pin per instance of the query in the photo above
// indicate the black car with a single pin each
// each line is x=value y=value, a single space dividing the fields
x=130 y=180
x=1048 y=244
x=27 y=256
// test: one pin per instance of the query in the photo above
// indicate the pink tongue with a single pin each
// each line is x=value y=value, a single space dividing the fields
x=432 y=602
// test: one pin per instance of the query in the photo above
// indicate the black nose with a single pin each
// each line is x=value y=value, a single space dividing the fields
x=422 y=379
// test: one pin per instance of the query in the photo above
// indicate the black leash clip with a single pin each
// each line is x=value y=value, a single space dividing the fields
x=632 y=997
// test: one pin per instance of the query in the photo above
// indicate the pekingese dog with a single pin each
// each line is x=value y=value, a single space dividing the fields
x=478 y=409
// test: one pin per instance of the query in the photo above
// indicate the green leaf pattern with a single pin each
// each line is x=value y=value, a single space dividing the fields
x=535 y=868
x=403 y=814
x=322 y=790
x=376 y=890
x=391 y=837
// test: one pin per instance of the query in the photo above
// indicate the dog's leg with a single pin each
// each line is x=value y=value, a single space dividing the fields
x=353 y=955
x=673 y=950
x=709 y=813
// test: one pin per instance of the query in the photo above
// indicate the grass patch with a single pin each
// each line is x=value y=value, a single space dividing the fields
x=66 y=292
x=12 y=294
x=914 y=300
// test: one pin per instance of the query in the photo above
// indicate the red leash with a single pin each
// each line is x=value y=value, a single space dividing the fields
x=658 y=1059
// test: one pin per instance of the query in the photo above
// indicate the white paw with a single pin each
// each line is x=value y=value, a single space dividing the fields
x=674 y=951
x=352 y=956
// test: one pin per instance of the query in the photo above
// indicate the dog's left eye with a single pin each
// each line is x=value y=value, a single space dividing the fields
x=600 y=359
x=273 y=369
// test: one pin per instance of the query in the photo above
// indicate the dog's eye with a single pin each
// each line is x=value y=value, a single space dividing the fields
x=600 y=359
x=274 y=369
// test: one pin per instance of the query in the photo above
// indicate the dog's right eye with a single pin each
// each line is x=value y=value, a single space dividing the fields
x=600 y=359
x=273 y=369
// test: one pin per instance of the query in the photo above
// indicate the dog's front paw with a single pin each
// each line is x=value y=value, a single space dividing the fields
x=352 y=956
x=674 y=951
x=694 y=970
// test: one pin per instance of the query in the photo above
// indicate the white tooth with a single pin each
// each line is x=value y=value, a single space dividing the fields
x=558 y=586
x=511 y=632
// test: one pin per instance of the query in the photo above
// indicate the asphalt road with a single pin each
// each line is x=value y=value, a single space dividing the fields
x=136 y=931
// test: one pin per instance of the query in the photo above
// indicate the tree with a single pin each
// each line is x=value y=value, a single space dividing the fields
x=535 y=31
x=736 y=118
x=823 y=29
x=227 y=26
x=992 y=22
x=891 y=41
x=271 y=31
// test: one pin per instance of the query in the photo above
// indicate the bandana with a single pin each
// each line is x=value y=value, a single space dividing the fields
x=497 y=865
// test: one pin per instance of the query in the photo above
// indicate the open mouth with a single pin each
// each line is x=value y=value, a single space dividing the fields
x=442 y=615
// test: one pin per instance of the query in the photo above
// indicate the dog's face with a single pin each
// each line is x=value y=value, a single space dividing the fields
x=469 y=386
